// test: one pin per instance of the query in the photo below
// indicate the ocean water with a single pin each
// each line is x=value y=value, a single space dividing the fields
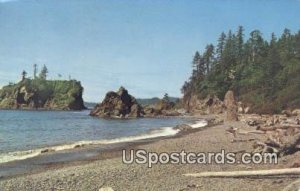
x=24 y=133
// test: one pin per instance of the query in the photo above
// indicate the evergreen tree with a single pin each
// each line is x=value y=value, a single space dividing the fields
x=263 y=73
x=24 y=74
x=166 y=97
x=240 y=44
x=221 y=45
x=44 y=73
x=34 y=71
x=208 y=57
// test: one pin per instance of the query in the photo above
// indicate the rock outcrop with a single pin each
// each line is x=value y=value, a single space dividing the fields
x=42 y=94
x=118 y=104
x=161 y=108
x=231 y=107
x=209 y=105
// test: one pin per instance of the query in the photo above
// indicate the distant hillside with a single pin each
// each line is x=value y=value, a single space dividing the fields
x=42 y=94
x=152 y=101
x=90 y=105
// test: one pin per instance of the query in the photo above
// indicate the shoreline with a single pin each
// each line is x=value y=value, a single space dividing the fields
x=85 y=151
x=105 y=169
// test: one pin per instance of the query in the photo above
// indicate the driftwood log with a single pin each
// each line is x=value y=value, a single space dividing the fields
x=275 y=127
x=282 y=145
x=291 y=144
x=231 y=174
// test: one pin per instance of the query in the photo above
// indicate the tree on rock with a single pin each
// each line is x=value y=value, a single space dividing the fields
x=44 y=72
x=24 y=73
x=166 y=97
x=34 y=71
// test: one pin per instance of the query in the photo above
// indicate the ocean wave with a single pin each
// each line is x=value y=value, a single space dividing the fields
x=162 y=132
x=199 y=124
x=22 y=155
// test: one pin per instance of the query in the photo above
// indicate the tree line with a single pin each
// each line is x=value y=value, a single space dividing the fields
x=42 y=75
x=263 y=73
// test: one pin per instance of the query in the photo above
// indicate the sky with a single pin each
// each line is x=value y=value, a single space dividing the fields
x=144 y=45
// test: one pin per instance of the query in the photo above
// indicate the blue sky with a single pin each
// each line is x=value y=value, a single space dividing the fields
x=146 y=46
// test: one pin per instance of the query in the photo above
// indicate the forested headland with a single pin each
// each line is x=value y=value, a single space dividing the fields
x=264 y=74
x=38 y=92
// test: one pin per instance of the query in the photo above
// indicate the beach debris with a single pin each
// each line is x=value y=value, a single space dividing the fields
x=283 y=140
x=215 y=121
x=282 y=132
x=296 y=112
x=231 y=174
x=232 y=130
x=294 y=186
x=231 y=106
x=106 y=189
x=275 y=127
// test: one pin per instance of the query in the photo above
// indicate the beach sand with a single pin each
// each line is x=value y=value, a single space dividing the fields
x=107 y=169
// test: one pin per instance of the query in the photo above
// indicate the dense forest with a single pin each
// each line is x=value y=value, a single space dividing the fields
x=264 y=74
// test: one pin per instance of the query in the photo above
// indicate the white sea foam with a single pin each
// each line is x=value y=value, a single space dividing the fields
x=21 y=155
x=18 y=155
x=199 y=124
x=162 y=132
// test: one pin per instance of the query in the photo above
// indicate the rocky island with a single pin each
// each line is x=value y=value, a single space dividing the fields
x=121 y=104
x=118 y=104
x=40 y=93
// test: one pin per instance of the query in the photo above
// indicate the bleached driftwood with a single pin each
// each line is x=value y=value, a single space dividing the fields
x=261 y=147
x=244 y=132
x=291 y=145
x=272 y=128
x=230 y=174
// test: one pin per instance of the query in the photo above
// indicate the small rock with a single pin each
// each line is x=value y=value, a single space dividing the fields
x=106 y=189
x=183 y=127
x=296 y=112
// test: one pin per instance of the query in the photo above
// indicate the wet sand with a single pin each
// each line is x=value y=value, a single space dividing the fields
x=106 y=169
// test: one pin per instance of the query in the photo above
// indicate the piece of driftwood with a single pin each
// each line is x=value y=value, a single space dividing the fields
x=291 y=144
x=231 y=174
x=272 y=128
x=279 y=144
x=244 y=132
x=261 y=147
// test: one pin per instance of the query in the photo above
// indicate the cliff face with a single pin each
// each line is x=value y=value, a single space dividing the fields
x=118 y=104
x=209 y=105
x=42 y=94
x=161 y=108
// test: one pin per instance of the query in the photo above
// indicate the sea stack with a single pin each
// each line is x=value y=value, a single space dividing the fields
x=42 y=94
x=231 y=106
x=118 y=104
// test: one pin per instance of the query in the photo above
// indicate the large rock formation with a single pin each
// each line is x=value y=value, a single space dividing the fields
x=209 y=105
x=118 y=105
x=42 y=94
x=161 y=108
x=231 y=106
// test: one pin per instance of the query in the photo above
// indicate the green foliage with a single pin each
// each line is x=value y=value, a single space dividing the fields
x=60 y=93
x=43 y=73
x=264 y=74
x=166 y=97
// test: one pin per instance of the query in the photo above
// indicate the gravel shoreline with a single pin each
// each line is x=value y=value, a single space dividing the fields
x=109 y=171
